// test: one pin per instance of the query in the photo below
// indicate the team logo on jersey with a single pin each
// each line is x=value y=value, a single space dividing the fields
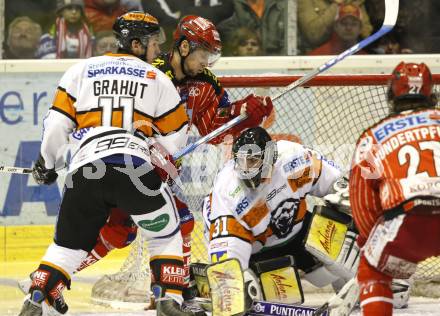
x=116 y=70
x=274 y=192
x=151 y=75
x=156 y=224
x=435 y=117
x=391 y=127
x=219 y=256
x=283 y=217
x=296 y=163
x=194 y=91
x=242 y=206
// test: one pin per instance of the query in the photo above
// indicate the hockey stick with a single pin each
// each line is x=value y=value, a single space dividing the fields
x=208 y=137
x=19 y=170
x=391 y=12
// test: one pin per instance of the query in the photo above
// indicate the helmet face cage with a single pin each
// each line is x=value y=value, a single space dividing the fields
x=254 y=155
x=135 y=26
x=200 y=33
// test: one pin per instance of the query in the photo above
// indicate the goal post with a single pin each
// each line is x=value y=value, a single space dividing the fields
x=329 y=113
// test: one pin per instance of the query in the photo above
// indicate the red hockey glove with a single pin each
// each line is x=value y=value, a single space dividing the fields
x=256 y=108
x=163 y=162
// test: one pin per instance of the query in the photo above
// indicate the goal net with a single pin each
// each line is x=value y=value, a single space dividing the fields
x=328 y=114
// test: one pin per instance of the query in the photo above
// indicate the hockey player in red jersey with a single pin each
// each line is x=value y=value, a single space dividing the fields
x=395 y=188
x=197 y=45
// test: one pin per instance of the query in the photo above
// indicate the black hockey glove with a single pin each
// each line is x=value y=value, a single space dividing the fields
x=41 y=174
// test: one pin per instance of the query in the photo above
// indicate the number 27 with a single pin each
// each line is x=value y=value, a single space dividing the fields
x=409 y=153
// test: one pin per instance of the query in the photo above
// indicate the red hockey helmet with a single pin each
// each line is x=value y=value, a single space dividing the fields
x=410 y=81
x=200 y=33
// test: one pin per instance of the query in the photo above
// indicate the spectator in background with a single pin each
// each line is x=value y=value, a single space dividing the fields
x=389 y=44
x=244 y=42
x=70 y=36
x=105 y=42
x=101 y=14
x=40 y=11
x=415 y=27
x=346 y=31
x=22 y=38
x=169 y=12
x=132 y=5
x=267 y=17
x=316 y=18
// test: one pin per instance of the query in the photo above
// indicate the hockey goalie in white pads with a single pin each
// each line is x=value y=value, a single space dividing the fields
x=258 y=208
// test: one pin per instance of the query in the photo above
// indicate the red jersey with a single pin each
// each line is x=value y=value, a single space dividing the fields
x=208 y=104
x=396 y=161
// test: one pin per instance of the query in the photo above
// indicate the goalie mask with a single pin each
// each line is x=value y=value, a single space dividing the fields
x=254 y=155
x=410 y=87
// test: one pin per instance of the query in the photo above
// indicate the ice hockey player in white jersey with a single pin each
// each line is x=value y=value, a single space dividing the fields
x=120 y=109
x=258 y=212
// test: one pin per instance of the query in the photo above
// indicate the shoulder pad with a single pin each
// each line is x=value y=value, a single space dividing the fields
x=208 y=77
x=162 y=63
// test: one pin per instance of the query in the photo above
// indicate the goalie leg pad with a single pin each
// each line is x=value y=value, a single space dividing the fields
x=227 y=288
x=280 y=280
x=332 y=239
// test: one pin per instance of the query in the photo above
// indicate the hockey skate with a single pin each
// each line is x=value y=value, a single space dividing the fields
x=169 y=307
x=32 y=305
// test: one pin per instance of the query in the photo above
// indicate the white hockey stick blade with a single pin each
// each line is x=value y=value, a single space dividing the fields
x=391 y=12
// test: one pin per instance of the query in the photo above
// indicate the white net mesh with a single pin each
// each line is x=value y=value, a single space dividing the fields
x=329 y=116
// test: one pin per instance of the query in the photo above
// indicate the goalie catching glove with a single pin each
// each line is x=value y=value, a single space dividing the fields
x=43 y=175
x=256 y=108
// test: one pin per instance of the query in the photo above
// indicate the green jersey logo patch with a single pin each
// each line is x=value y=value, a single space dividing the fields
x=156 y=224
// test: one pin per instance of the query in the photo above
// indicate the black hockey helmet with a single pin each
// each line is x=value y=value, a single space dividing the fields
x=135 y=25
x=254 y=154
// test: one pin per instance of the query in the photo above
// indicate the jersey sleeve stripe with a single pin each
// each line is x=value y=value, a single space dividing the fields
x=233 y=229
x=89 y=119
x=65 y=113
x=176 y=108
x=64 y=102
x=255 y=215
x=64 y=90
x=143 y=123
x=143 y=114
x=173 y=121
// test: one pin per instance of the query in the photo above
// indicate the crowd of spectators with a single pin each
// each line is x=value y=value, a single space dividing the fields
x=83 y=28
